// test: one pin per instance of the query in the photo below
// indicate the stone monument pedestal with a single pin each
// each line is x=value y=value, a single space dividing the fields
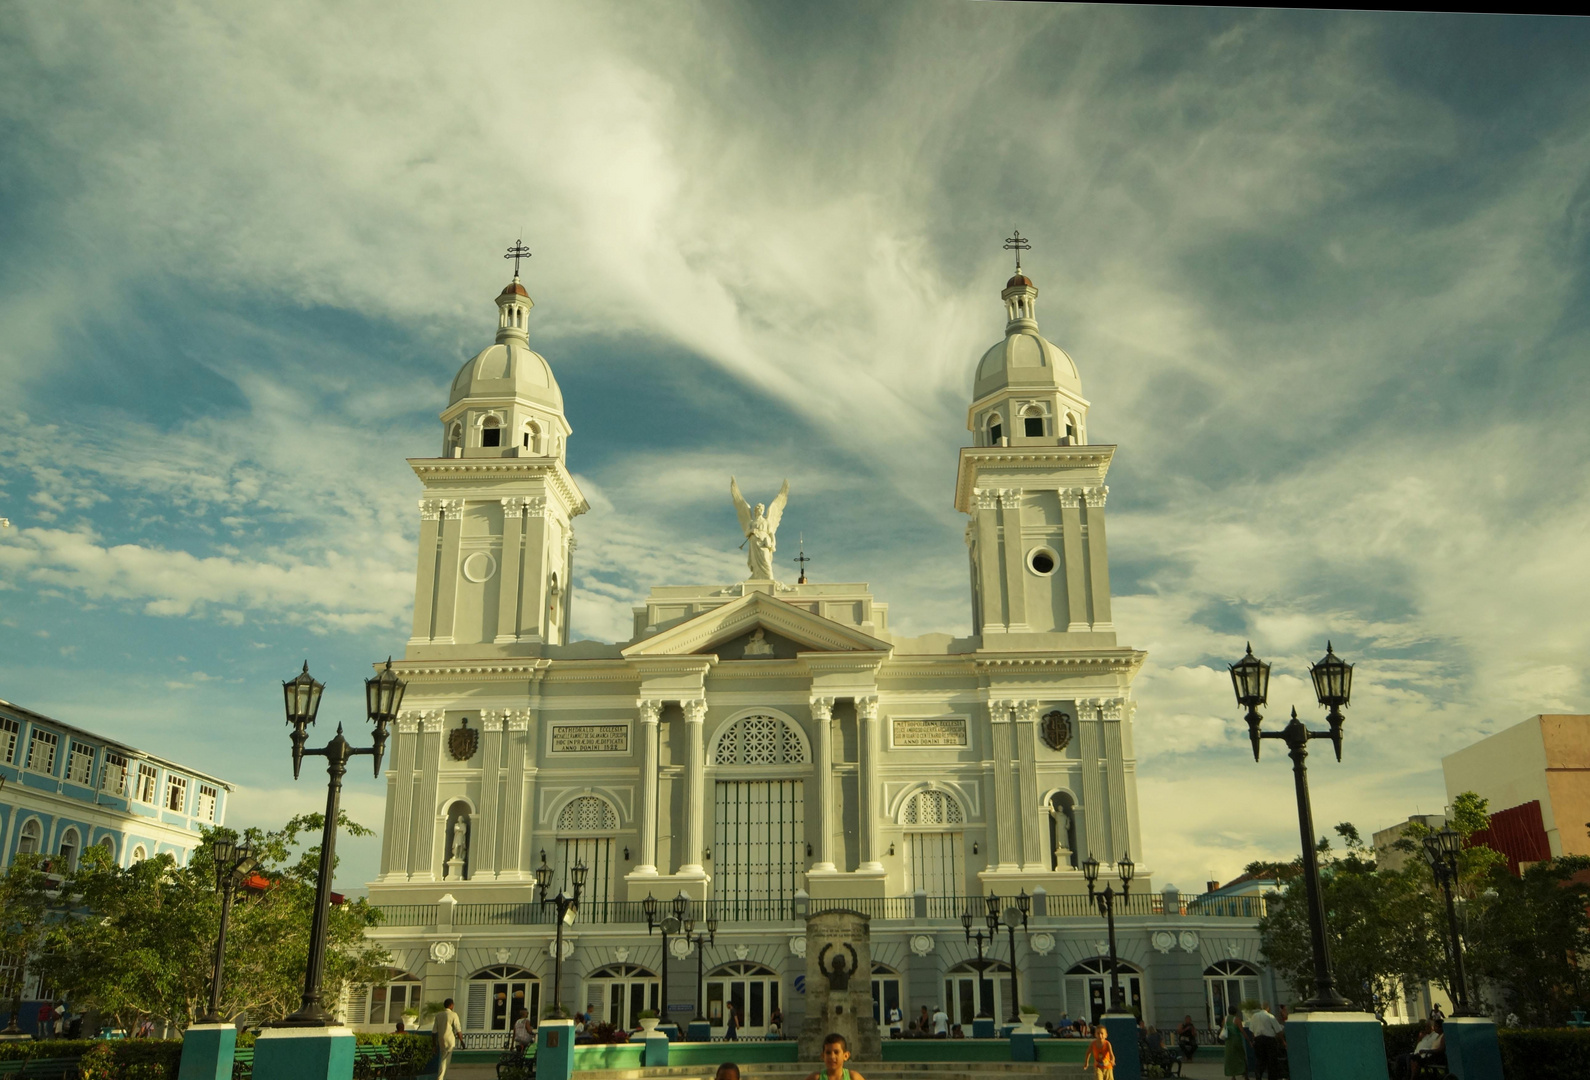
x=839 y=985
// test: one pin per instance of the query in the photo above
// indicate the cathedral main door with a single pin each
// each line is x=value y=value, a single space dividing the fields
x=759 y=847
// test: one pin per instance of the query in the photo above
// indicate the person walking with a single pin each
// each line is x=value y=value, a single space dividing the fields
x=1266 y=1045
x=1101 y=1055
x=1187 y=1037
x=1236 y=1063
x=941 y=1023
x=447 y=1030
x=733 y=1032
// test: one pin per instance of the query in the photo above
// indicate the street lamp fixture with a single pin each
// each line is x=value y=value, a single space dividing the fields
x=233 y=859
x=566 y=907
x=1333 y=682
x=1013 y=917
x=383 y=695
x=675 y=922
x=983 y=938
x=1124 y=869
x=702 y=939
x=1442 y=849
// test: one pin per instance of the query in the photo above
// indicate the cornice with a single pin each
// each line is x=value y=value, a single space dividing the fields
x=453 y=472
x=975 y=459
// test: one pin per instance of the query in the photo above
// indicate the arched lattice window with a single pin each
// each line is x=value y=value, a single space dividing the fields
x=496 y=994
x=32 y=838
x=759 y=740
x=491 y=431
x=932 y=808
x=588 y=814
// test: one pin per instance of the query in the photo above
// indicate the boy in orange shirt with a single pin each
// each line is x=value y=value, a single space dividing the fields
x=1101 y=1056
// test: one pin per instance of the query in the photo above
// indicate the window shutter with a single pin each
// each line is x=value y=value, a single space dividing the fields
x=475 y=1011
x=356 y=1003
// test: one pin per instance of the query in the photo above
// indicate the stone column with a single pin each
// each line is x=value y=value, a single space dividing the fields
x=992 y=600
x=823 y=721
x=1112 y=713
x=447 y=568
x=425 y=843
x=695 y=787
x=516 y=725
x=1098 y=560
x=508 y=576
x=1032 y=821
x=1089 y=739
x=400 y=797
x=867 y=743
x=533 y=582
x=425 y=572
x=1015 y=560
x=483 y=860
x=1007 y=835
x=650 y=712
x=1076 y=577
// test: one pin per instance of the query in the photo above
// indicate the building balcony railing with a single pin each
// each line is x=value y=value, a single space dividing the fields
x=789 y=909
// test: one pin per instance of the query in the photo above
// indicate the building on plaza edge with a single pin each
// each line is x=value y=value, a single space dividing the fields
x=769 y=749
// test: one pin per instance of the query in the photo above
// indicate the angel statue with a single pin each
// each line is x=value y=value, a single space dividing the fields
x=760 y=526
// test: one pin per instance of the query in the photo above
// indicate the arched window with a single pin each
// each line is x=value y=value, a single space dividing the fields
x=885 y=993
x=1032 y=422
x=109 y=844
x=531 y=436
x=996 y=430
x=969 y=993
x=496 y=994
x=620 y=992
x=32 y=838
x=139 y=854
x=71 y=844
x=455 y=840
x=1087 y=988
x=383 y=1004
x=751 y=989
x=585 y=834
x=759 y=740
x=934 y=842
x=454 y=441
x=1063 y=831
x=1227 y=984
x=1071 y=430
x=491 y=432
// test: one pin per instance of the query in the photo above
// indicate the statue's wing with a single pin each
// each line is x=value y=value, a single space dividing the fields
x=775 y=511
x=741 y=507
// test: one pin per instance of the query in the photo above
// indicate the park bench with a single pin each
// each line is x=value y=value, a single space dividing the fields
x=516 y=1064
x=243 y=1063
x=63 y=1068
x=372 y=1062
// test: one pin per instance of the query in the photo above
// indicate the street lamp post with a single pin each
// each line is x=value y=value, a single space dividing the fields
x=1106 y=904
x=1333 y=680
x=232 y=859
x=1441 y=849
x=383 y=695
x=1013 y=917
x=702 y=939
x=566 y=907
x=675 y=922
x=982 y=939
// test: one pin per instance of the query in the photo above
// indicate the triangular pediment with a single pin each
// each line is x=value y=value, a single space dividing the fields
x=786 y=631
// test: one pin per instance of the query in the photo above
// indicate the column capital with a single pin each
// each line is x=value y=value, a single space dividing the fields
x=986 y=499
x=822 y=708
x=452 y=508
x=518 y=719
x=999 y=710
x=1026 y=711
x=650 y=710
x=867 y=707
x=491 y=719
x=1095 y=496
x=408 y=722
x=430 y=509
x=1009 y=498
x=1070 y=498
x=431 y=720
x=695 y=711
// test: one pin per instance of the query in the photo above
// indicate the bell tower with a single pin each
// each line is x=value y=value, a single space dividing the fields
x=496 y=518
x=1033 y=487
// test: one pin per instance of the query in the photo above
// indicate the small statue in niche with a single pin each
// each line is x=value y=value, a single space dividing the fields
x=759 y=645
x=460 y=839
x=838 y=974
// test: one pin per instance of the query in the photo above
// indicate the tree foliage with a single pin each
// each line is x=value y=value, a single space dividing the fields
x=24 y=907
x=1531 y=935
x=138 y=942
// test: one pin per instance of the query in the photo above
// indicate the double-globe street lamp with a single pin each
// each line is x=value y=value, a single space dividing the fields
x=1333 y=681
x=232 y=859
x=1105 y=901
x=1012 y=917
x=991 y=919
x=1441 y=849
x=676 y=922
x=566 y=906
x=383 y=694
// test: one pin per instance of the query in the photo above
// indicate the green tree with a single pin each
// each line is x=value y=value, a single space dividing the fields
x=25 y=903
x=141 y=939
x=1530 y=938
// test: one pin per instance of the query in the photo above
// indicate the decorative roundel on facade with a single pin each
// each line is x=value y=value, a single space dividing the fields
x=442 y=951
x=797 y=944
x=921 y=944
x=1040 y=560
x=1164 y=940
x=479 y=567
x=1188 y=941
x=1042 y=943
x=463 y=741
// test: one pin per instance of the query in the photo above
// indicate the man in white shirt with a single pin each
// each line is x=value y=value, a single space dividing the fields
x=447 y=1030
x=895 y=1021
x=1265 y=1028
x=941 y=1023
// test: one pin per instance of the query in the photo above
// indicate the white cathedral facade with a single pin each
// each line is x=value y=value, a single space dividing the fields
x=767 y=749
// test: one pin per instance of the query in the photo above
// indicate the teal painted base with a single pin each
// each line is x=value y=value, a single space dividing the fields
x=207 y=1051
x=671 y=1030
x=656 y=1054
x=1123 y=1037
x=555 y=1050
x=304 y=1054
x=1472 y=1051
x=1337 y=1046
x=983 y=1027
x=1022 y=1047
x=700 y=1031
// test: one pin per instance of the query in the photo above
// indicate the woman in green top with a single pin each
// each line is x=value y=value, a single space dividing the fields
x=1236 y=1051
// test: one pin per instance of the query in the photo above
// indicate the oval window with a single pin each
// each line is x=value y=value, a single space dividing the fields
x=1041 y=562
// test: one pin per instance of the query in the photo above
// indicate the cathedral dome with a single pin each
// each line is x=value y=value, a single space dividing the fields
x=507 y=369
x=1026 y=359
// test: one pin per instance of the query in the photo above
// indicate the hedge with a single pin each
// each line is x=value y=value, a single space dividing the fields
x=1545 y=1053
x=160 y=1059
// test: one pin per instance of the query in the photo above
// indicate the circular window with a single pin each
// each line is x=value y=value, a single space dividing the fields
x=1041 y=561
x=479 y=566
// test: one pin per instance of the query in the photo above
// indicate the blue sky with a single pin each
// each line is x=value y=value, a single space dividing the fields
x=1324 y=276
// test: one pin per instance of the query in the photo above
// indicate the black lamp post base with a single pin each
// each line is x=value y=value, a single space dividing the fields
x=1331 y=1002
x=309 y=1016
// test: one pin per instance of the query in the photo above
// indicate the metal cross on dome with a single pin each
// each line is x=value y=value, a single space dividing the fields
x=519 y=251
x=1018 y=244
x=802 y=560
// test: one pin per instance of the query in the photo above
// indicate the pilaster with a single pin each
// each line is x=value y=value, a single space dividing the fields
x=508 y=594
x=1112 y=712
x=1015 y=556
x=1076 y=576
x=447 y=569
x=992 y=601
x=426 y=569
x=1094 y=813
x=400 y=797
x=484 y=857
x=1006 y=840
x=424 y=839
x=517 y=742
x=1098 y=561
x=1028 y=814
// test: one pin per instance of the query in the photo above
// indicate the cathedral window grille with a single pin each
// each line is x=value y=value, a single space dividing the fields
x=759 y=843
x=9 y=730
x=933 y=808
x=41 y=751
x=592 y=820
x=588 y=814
x=760 y=740
x=1087 y=988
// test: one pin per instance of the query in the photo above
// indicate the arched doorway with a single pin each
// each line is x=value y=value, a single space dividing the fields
x=933 y=821
x=495 y=996
x=885 y=996
x=1227 y=984
x=1088 y=988
x=968 y=994
x=618 y=993
x=752 y=989
x=759 y=812
x=585 y=834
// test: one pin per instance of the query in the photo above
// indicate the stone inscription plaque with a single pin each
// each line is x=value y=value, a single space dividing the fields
x=590 y=738
x=946 y=732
